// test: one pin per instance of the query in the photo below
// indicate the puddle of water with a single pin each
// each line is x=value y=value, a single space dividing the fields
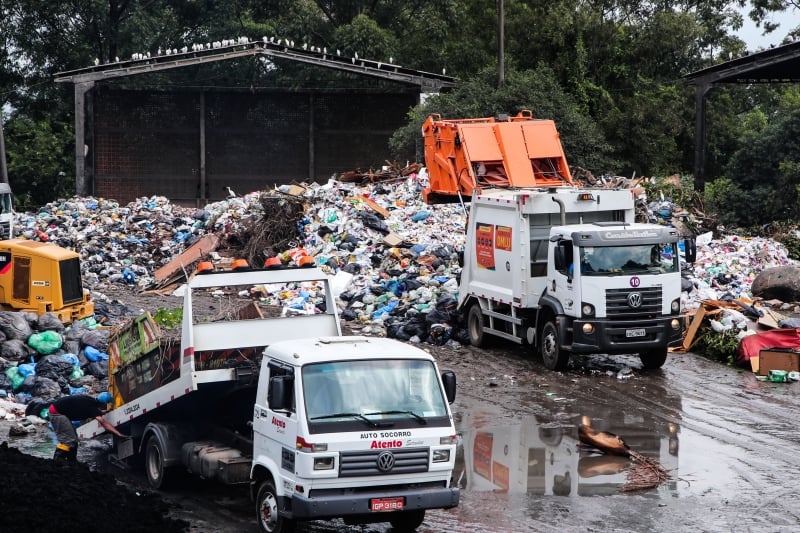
x=524 y=455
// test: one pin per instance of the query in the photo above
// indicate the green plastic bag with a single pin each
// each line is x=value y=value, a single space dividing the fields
x=77 y=373
x=46 y=342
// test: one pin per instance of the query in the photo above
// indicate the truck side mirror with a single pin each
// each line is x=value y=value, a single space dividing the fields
x=449 y=381
x=279 y=393
x=690 y=248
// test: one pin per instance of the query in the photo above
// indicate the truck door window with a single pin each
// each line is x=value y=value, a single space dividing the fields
x=276 y=369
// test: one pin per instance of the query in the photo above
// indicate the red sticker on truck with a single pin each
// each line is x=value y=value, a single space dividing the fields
x=484 y=245
x=502 y=238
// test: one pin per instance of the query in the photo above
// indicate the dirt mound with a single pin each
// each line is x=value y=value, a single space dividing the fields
x=44 y=495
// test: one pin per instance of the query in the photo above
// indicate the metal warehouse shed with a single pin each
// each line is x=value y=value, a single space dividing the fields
x=776 y=65
x=191 y=143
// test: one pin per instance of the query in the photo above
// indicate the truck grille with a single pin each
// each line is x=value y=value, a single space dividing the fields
x=365 y=463
x=617 y=302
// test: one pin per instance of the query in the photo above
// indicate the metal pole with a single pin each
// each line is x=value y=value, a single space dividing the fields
x=501 y=60
x=3 y=168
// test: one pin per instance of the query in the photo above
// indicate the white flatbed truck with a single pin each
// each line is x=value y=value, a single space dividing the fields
x=319 y=424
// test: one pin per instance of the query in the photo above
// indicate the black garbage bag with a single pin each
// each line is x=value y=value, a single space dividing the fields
x=372 y=221
x=15 y=325
x=114 y=312
x=98 y=369
x=96 y=338
x=349 y=315
x=461 y=335
x=15 y=350
x=49 y=322
x=5 y=383
x=71 y=346
x=439 y=334
x=53 y=367
x=76 y=331
x=47 y=388
x=27 y=385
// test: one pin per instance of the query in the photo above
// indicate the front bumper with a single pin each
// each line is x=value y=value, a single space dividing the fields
x=358 y=503
x=612 y=336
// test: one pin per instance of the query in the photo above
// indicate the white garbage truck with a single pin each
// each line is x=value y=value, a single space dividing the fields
x=319 y=424
x=546 y=263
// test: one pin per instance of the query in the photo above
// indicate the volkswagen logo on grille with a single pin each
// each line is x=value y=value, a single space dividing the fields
x=635 y=299
x=385 y=461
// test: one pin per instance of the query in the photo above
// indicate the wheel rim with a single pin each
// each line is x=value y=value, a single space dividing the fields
x=154 y=463
x=268 y=512
x=474 y=327
x=549 y=348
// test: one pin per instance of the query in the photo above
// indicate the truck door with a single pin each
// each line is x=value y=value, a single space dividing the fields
x=561 y=283
x=276 y=429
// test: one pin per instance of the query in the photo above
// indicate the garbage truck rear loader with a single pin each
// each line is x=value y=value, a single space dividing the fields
x=561 y=268
x=319 y=424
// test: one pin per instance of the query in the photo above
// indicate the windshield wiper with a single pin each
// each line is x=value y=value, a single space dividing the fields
x=359 y=416
x=416 y=417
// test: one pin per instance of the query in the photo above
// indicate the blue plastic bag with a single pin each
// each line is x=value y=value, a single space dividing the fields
x=94 y=355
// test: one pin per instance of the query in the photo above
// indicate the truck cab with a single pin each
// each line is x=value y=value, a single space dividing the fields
x=352 y=427
x=614 y=288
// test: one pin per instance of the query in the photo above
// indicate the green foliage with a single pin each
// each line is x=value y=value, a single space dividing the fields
x=717 y=346
x=168 y=318
x=37 y=152
x=536 y=90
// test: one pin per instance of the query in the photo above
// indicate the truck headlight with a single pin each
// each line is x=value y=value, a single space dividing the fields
x=676 y=324
x=587 y=309
x=323 y=463
x=675 y=306
x=441 y=456
x=588 y=328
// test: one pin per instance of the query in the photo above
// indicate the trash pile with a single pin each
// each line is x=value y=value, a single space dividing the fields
x=40 y=357
x=396 y=258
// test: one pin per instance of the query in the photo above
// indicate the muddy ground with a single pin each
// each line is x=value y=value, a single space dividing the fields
x=729 y=441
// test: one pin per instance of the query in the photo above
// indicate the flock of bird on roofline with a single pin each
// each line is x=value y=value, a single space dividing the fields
x=224 y=43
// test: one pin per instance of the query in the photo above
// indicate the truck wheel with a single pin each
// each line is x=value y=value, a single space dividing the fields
x=154 y=464
x=269 y=521
x=653 y=359
x=475 y=326
x=553 y=356
x=407 y=520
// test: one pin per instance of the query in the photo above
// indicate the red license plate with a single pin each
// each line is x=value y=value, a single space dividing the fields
x=386 y=504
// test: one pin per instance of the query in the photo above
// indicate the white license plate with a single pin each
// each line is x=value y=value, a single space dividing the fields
x=635 y=332
x=386 y=504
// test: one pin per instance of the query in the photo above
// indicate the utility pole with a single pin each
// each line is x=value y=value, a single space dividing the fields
x=3 y=168
x=501 y=68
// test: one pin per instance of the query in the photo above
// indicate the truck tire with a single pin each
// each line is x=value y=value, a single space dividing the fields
x=154 y=464
x=269 y=521
x=553 y=357
x=475 y=326
x=654 y=359
x=407 y=520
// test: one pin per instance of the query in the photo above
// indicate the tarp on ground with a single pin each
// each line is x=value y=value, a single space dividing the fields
x=752 y=345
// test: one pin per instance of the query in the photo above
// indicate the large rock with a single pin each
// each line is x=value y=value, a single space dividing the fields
x=782 y=282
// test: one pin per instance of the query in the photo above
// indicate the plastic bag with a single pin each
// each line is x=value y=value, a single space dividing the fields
x=46 y=342
x=45 y=388
x=94 y=355
x=27 y=369
x=15 y=350
x=49 y=322
x=15 y=325
x=96 y=339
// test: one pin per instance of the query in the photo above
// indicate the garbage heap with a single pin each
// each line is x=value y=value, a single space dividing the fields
x=397 y=258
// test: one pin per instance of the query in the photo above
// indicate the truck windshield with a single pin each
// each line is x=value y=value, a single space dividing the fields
x=373 y=393
x=637 y=259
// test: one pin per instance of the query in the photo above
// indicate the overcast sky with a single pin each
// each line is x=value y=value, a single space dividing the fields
x=752 y=35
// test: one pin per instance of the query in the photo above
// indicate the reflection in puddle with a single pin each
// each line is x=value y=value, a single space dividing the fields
x=526 y=456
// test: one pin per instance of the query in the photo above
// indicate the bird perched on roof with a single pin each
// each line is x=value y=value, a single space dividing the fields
x=231 y=194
